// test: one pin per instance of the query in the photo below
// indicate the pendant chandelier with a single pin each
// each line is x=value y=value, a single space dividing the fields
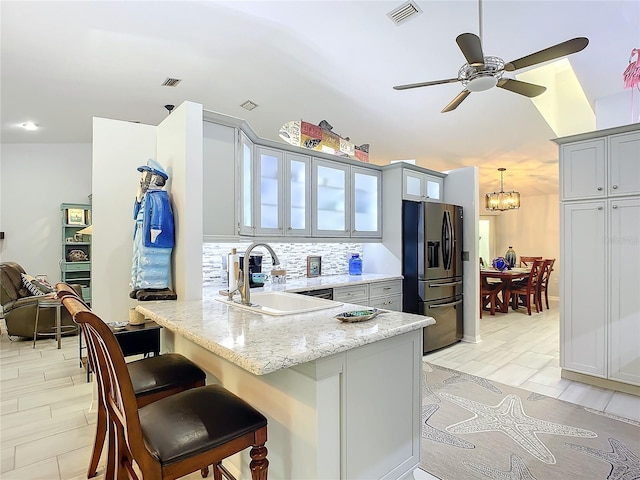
x=502 y=200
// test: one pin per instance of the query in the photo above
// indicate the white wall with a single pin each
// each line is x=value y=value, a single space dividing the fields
x=461 y=188
x=616 y=110
x=179 y=146
x=533 y=230
x=34 y=180
x=122 y=147
x=119 y=148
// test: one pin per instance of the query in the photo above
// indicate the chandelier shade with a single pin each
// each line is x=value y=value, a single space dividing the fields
x=502 y=200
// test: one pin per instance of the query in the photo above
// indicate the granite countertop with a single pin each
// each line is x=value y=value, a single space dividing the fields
x=262 y=344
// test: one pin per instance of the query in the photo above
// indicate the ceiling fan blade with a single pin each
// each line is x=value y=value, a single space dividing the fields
x=471 y=48
x=560 y=50
x=424 y=84
x=522 y=88
x=456 y=101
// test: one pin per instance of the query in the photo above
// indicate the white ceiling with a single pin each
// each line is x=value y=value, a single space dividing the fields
x=66 y=62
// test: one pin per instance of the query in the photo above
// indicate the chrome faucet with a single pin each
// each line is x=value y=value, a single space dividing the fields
x=243 y=281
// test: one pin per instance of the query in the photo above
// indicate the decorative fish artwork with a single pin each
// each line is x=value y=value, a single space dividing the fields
x=321 y=138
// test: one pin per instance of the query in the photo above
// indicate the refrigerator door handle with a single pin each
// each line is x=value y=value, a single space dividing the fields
x=441 y=305
x=447 y=240
x=448 y=284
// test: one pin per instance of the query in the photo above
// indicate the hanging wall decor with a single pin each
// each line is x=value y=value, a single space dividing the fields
x=631 y=77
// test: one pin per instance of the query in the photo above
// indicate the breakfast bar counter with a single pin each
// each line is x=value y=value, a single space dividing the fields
x=342 y=399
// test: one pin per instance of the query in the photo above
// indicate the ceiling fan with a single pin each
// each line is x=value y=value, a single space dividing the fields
x=481 y=73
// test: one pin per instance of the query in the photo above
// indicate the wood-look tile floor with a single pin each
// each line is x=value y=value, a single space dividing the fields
x=47 y=430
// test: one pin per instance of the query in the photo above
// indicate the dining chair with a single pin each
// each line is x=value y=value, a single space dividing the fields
x=174 y=436
x=488 y=293
x=547 y=268
x=528 y=261
x=528 y=292
x=153 y=378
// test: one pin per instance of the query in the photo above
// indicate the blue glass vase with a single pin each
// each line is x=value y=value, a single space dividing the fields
x=355 y=265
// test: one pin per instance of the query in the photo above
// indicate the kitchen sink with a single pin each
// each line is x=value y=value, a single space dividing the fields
x=282 y=303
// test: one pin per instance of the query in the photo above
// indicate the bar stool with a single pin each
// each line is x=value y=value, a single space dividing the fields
x=174 y=436
x=153 y=378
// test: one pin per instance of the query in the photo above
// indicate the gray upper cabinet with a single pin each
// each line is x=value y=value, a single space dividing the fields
x=297 y=194
x=624 y=164
x=346 y=200
x=259 y=190
x=601 y=167
x=330 y=198
x=583 y=170
x=421 y=187
x=246 y=225
x=268 y=193
x=275 y=194
x=220 y=217
x=366 y=205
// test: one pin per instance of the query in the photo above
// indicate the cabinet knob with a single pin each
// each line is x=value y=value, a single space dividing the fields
x=614 y=206
x=599 y=189
x=615 y=187
x=289 y=228
x=599 y=208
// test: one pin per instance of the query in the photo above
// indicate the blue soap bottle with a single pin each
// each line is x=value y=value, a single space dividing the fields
x=355 y=264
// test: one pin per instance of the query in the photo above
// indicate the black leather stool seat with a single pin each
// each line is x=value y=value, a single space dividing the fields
x=195 y=421
x=170 y=370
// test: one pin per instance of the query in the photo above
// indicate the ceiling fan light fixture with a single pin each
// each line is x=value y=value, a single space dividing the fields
x=478 y=78
x=481 y=83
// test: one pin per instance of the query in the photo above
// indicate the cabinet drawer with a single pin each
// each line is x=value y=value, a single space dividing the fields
x=352 y=294
x=76 y=266
x=383 y=289
x=393 y=302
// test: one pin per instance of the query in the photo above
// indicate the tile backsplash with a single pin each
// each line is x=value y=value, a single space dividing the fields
x=293 y=257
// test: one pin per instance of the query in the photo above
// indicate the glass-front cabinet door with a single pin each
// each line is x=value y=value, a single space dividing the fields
x=421 y=187
x=245 y=209
x=297 y=195
x=366 y=214
x=330 y=195
x=268 y=192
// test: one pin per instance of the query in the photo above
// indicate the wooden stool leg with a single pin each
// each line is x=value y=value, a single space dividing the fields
x=259 y=463
x=101 y=433
x=111 y=453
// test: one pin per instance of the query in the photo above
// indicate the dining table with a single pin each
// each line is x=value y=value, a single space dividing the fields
x=503 y=278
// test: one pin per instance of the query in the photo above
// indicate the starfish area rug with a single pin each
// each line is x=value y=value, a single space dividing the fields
x=474 y=428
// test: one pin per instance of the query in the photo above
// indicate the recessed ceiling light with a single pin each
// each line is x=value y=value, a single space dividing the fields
x=29 y=126
x=249 y=105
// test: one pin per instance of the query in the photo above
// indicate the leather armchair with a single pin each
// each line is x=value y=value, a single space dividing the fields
x=20 y=306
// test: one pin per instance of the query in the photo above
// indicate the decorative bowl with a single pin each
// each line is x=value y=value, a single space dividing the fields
x=117 y=326
x=358 y=315
x=500 y=263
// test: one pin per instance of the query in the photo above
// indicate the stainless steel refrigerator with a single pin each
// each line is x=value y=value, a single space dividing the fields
x=432 y=269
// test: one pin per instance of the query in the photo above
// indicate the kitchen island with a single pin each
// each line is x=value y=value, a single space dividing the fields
x=342 y=399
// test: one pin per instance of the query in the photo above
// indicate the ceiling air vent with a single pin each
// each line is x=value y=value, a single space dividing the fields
x=249 y=105
x=404 y=12
x=171 y=82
